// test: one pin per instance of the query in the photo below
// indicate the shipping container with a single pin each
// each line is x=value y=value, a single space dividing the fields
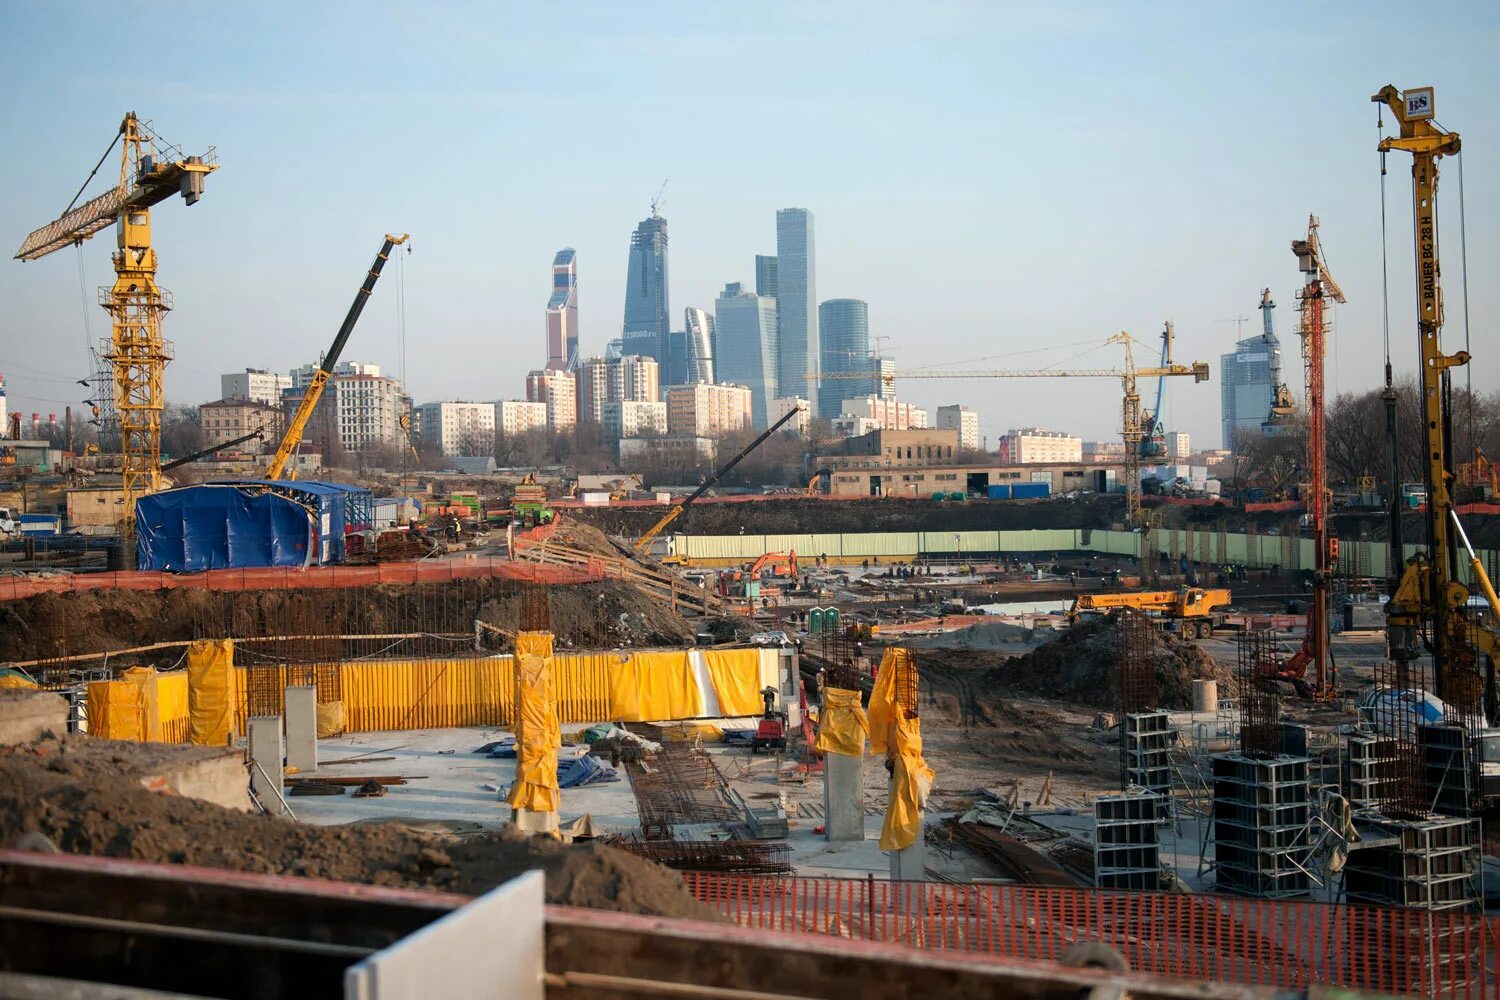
x=998 y=492
x=1029 y=491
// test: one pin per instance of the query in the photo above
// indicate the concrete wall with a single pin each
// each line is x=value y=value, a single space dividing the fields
x=26 y=715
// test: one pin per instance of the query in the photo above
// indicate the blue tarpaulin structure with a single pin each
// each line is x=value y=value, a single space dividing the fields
x=242 y=524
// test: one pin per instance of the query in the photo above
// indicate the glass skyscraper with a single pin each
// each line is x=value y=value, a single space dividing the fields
x=1245 y=386
x=765 y=275
x=699 y=346
x=844 y=332
x=646 y=324
x=746 y=343
x=799 y=360
x=562 y=312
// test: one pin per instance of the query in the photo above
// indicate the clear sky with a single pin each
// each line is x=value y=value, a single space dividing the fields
x=993 y=178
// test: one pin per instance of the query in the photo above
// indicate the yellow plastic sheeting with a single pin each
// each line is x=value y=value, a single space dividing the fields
x=210 y=670
x=172 y=706
x=691 y=732
x=115 y=710
x=427 y=694
x=330 y=719
x=895 y=666
x=653 y=687
x=145 y=678
x=538 y=734
x=736 y=678
x=911 y=781
x=842 y=726
x=580 y=687
x=18 y=682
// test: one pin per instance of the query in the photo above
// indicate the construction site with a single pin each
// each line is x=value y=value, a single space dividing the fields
x=258 y=743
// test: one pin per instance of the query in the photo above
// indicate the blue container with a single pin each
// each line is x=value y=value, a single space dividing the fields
x=241 y=524
x=998 y=492
x=1030 y=491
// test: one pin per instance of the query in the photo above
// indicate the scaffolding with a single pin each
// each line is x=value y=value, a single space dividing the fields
x=1126 y=855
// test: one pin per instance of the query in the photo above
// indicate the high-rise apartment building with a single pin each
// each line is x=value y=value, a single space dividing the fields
x=765 y=276
x=961 y=419
x=592 y=390
x=746 y=339
x=1030 y=445
x=457 y=428
x=517 y=416
x=800 y=359
x=782 y=404
x=369 y=408
x=639 y=379
x=646 y=312
x=562 y=312
x=635 y=418
x=601 y=380
x=708 y=410
x=1179 y=445
x=844 y=334
x=558 y=390
x=302 y=376
x=888 y=414
x=699 y=344
x=255 y=384
x=1245 y=386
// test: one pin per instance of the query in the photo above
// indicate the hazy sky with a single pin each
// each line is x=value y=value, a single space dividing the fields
x=993 y=178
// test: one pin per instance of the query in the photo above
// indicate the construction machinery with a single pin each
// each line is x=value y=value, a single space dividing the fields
x=644 y=542
x=779 y=563
x=151 y=171
x=1429 y=605
x=1153 y=429
x=221 y=446
x=293 y=436
x=1480 y=477
x=530 y=502
x=821 y=482
x=770 y=731
x=1194 y=612
x=1131 y=428
x=1283 y=411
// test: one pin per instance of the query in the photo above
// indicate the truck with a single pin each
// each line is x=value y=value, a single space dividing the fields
x=1193 y=612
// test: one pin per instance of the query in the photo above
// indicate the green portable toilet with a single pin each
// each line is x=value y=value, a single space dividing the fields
x=815 y=621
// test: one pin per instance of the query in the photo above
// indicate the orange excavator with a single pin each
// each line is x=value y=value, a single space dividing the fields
x=779 y=564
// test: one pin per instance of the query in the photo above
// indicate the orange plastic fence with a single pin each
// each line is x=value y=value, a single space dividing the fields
x=1277 y=943
x=319 y=577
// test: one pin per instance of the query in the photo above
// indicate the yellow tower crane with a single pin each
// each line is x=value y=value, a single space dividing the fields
x=150 y=172
x=1130 y=412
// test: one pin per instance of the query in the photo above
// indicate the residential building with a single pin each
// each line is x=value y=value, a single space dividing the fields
x=1245 y=386
x=517 y=416
x=360 y=409
x=915 y=480
x=226 y=419
x=562 y=312
x=765 y=276
x=593 y=378
x=1179 y=445
x=454 y=427
x=1104 y=451
x=844 y=336
x=961 y=419
x=255 y=384
x=302 y=376
x=893 y=449
x=1030 y=445
x=558 y=390
x=672 y=449
x=848 y=425
x=798 y=424
x=799 y=359
x=639 y=379
x=699 y=338
x=884 y=382
x=747 y=346
x=635 y=418
x=646 y=312
x=888 y=414
x=710 y=411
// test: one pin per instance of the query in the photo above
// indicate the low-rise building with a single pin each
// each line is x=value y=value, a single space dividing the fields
x=684 y=449
x=883 y=449
x=517 y=416
x=848 y=425
x=456 y=427
x=224 y=420
x=888 y=414
x=961 y=419
x=917 y=481
x=710 y=411
x=630 y=418
x=1030 y=445
x=1103 y=451
x=779 y=408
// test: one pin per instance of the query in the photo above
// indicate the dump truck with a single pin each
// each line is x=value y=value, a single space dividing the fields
x=1193 y=612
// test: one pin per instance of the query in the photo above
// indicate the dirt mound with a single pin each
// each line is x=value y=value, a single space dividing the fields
x=1083 y=666
x=986 y=635
x=84 y=795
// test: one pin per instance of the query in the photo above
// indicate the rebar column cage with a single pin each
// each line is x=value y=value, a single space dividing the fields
x=1396 y=713
x=535 y=613
x=1257 y=661
x=838 y=653
x=1137 y=669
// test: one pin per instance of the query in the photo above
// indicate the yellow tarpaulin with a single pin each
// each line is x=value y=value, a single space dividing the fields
x=895 y=666
x=911 y=781
x=664 y=688
x=145 y=679
x=17 y=681
x=210 y=669
x=330 y=719
x=538 y=734
x=114 y=710
x=736 y=677
x=842 y=724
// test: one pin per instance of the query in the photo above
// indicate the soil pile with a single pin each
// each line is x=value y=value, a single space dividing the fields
x=85 y=796
x=986 y=635
x=1083 y=666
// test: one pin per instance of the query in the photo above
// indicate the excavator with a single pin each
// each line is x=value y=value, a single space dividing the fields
x=1193 y=612
x=780 y=565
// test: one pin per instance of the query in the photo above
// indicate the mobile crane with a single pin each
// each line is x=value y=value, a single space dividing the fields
x=1192 y=611
x=293 y=436
x=1429 y=604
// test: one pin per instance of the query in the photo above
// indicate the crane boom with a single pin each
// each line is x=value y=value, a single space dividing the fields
x=645 y=540
x=320 y=378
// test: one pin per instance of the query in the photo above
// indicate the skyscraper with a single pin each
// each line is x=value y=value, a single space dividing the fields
x=1245 y=380
x=646 y=323
x=844 y=332
x=562 y=312
x=800 y=360
x=765 y=276
x=700 y=346
x=747 y=345
x=883 y=384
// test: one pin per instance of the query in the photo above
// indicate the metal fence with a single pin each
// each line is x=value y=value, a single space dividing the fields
x=1289 y=945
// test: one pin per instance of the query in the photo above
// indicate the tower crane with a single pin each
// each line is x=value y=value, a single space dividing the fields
x=1153 y=431
x=1130 y=412
x=1429 y=604
x=151 y=171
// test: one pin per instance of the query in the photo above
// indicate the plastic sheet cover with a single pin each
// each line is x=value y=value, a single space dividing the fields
x=210 y=669
x=736 y=676
x=216 y=527
x=538 y=734
x=842 y=725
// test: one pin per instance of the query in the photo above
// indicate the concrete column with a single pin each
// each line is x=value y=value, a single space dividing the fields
x=534 y=822
x=265 y=762
x=844 y=797
x=910 y=865
x=302 y=727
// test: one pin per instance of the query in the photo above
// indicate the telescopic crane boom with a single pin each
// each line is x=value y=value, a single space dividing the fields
x=320 y=378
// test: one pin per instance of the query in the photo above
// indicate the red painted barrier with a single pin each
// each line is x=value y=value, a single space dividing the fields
x=1259 y=942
